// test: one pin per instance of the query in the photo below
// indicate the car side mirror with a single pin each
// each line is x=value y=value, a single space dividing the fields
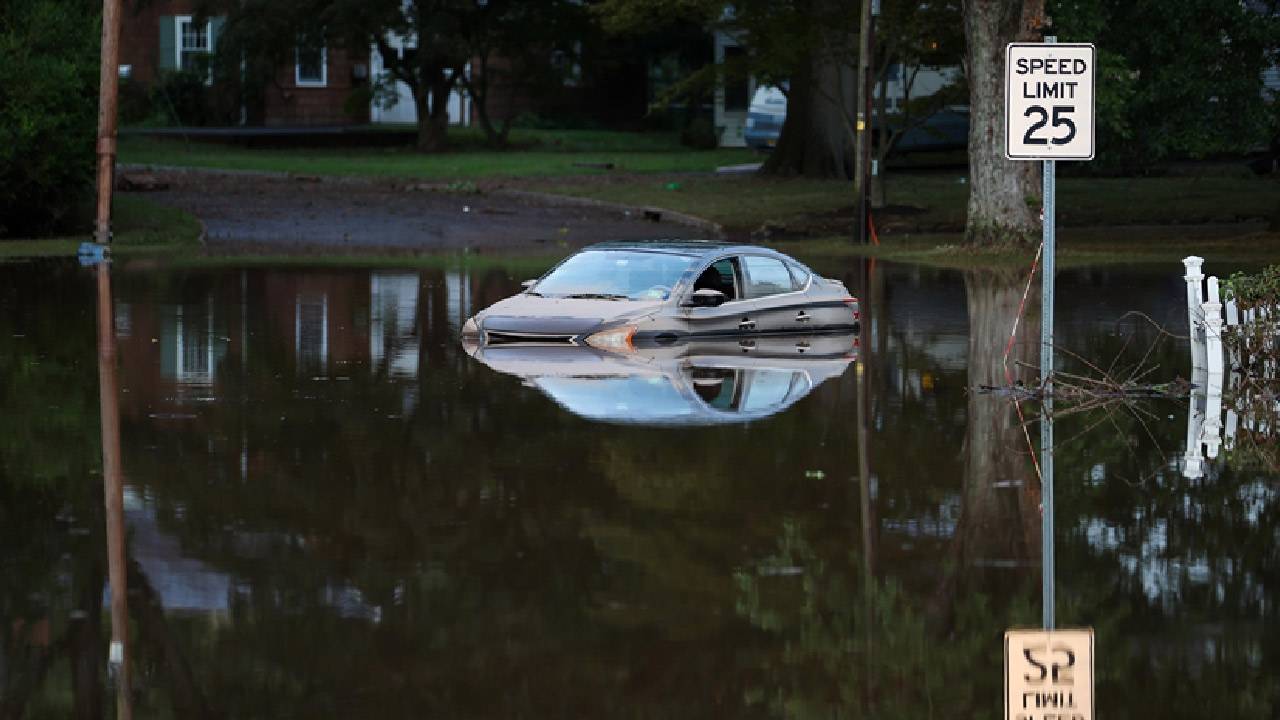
x=706 y=297
x=528 y=284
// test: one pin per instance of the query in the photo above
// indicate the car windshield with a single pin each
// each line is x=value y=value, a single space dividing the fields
x=615 y=275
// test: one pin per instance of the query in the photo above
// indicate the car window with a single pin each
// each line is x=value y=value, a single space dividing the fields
x=633 y=274
x=764 y=276
x=768 y=388
x=721 y=275
x=799 y=276
x=717 y=387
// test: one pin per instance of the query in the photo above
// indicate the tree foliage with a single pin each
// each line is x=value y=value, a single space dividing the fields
x=496 y=50
x=48 y=82
x=1175 y=79
x=807 y=48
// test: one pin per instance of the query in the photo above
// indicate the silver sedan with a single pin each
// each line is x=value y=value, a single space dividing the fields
x=618 y=296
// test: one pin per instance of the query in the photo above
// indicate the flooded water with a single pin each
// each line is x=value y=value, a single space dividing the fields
x=332 y=510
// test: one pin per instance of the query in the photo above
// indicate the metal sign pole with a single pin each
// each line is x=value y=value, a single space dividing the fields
x=1046 y=379
x=1049 y=116
x=1046 y=376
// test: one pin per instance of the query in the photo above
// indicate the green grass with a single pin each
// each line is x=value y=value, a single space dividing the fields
x=934 y=202
x=925 y=214
x=1077 y=247
x=739 y=202
x=527 y=266
x=141 y=227
x=556 y=153
x=653 y=169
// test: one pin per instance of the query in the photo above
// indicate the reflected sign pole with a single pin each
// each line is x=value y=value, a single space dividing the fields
x=1048 y=116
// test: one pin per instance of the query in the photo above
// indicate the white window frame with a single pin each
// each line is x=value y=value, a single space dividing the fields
x=179 y=47
x=324 y=69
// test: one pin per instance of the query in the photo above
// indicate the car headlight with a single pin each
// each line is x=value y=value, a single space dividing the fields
x=471 y=336
x=471 y=328
x=751 y=122
x=614 y=339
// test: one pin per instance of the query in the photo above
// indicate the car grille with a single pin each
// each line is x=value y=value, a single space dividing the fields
x=510 y=338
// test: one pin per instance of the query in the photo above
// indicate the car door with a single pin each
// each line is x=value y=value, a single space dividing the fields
x=737 y=316
x=770 y=284
x=826 y=311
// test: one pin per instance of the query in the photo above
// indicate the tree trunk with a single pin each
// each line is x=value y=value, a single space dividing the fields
x=1004 y=195
x=159 y=639
x=431 y=100
x=997 y=536
x=816 y=140
x=427 y=133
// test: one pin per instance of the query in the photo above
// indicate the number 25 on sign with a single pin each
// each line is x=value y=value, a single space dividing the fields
x=1048 y=101
x=1048 y=675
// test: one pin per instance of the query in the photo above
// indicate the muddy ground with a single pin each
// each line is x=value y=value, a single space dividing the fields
x=270 y=213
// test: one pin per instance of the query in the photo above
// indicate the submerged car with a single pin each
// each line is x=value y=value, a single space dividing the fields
x=698 y=382
x=618 y=296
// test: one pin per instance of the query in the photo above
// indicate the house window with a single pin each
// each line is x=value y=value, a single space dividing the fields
x=310 y=66
x=311 y=334
x=193 y=44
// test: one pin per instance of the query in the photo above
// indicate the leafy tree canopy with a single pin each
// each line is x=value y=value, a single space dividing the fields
x=1176 y=79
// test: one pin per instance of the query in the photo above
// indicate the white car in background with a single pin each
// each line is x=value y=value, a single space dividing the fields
x=945 y=129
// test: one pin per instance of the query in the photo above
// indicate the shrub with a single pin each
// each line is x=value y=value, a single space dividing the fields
x=135 y=102
x=699 y=134
x=183 y=97
x=48 y=111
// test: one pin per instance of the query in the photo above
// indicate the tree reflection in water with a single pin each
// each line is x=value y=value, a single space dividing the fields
x=859 y=643
x=322 y=525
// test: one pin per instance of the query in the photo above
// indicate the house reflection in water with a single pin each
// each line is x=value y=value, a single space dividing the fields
x=327 y=323
x=394 y=341
x=202 y=360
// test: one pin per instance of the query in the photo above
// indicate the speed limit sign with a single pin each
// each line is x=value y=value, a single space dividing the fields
x=1048 y=101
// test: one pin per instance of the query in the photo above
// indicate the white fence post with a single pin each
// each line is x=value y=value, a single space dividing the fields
x=1195 y=310
x=1213 y=340
x=1192 y=457
x=1212 y=433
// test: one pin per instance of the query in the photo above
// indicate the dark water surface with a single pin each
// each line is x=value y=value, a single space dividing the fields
x=333 y=511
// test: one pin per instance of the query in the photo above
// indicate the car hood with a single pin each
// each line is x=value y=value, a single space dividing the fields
x=560 y=316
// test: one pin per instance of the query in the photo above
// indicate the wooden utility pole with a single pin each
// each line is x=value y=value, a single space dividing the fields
x=108 y=92
x=113 y=495
x=862 y=136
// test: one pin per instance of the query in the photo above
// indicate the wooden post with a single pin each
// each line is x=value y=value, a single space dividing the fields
x=113 y=495
x=862 y=131
x=108 y=92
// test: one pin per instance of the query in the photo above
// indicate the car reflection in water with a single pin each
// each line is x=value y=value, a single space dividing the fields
x=702 y=382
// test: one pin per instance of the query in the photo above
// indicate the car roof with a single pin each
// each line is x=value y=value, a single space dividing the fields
x=697 y=248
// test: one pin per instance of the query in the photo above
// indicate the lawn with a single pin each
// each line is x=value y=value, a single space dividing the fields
x=1077 y=247
x=931 y=202
x=540 y=153
x=139 y=226
x=653 y=169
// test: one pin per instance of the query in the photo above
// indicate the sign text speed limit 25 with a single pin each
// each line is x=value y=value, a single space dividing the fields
x=1048 y=101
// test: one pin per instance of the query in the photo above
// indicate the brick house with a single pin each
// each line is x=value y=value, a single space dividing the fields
x=166 y=36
